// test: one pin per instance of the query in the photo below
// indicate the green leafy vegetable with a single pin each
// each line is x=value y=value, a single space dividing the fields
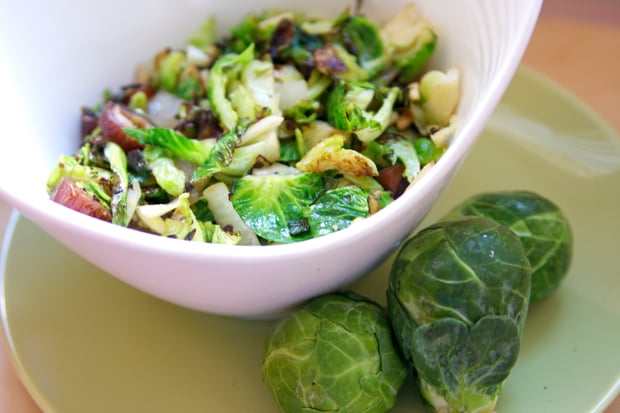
x=270 y=203
x=189 y=149
x=173 y=220
x=458 y=298
x=347 y=109
x=542 y=227
x=336 y=354
x=410 y=42
x=219 y=158
x=363 y=39
x=118 y=164
x=224 y=73
x=330 y=154
x=337 y=209
x=170 y=178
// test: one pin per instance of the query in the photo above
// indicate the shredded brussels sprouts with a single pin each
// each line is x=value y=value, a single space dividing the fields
x=303 y=125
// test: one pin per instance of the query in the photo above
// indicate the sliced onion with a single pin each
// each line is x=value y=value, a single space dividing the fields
x=163 y=108
x=225 y=215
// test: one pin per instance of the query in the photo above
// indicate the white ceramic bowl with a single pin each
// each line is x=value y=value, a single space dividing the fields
x=58 y=55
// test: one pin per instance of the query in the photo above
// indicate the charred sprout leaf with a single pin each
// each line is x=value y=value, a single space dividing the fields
x=181 y=147
x=173 y=220
x=410 y=42
x=346 y=104
x=448 y=284
x=361 y=37
x=330 y=154
x=216 y=235
x=270 y=203
x=334 y=60
x=542 y=227
x=336 y=209
x=220 y=157
x=243 y=160
x=336 y=354
x=290 y=43
x=118 y=163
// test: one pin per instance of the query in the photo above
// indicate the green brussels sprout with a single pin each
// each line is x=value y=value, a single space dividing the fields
x=458 y=297
x=542 y=227
x=336 y=354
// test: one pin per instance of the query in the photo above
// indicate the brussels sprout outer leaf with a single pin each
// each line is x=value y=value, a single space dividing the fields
x=336 y=354
x=464 y=269
x=223 y=73
x=543 y=228
x=412 y=64
x=189 y=149
x=343 y=114
x=118 y=163
x=219 y=158
x=336 y=210
x=173 y=220
x=330 y=154
x=270 y=203
x=462 y=366
x=363 y=37
x=170 y=178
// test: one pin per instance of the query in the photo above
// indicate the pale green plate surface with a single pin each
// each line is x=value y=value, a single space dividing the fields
x=84 y=342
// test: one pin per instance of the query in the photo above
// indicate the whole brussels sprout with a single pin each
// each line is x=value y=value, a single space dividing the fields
x=458 y=297
x=336 y=354
x=540 y=224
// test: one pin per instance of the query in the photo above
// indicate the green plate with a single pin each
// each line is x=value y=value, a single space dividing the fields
x=83 y=341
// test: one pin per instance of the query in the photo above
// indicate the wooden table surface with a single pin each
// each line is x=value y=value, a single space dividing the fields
x=577 y=43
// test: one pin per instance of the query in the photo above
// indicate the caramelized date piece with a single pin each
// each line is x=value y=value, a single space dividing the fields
x=391 y=178
x=114 y=118
x=69 y=194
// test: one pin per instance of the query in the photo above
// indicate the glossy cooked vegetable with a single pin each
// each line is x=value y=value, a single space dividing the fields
x=542 y=227
x=336 y=354
x=458 y=297
x=308 y=124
